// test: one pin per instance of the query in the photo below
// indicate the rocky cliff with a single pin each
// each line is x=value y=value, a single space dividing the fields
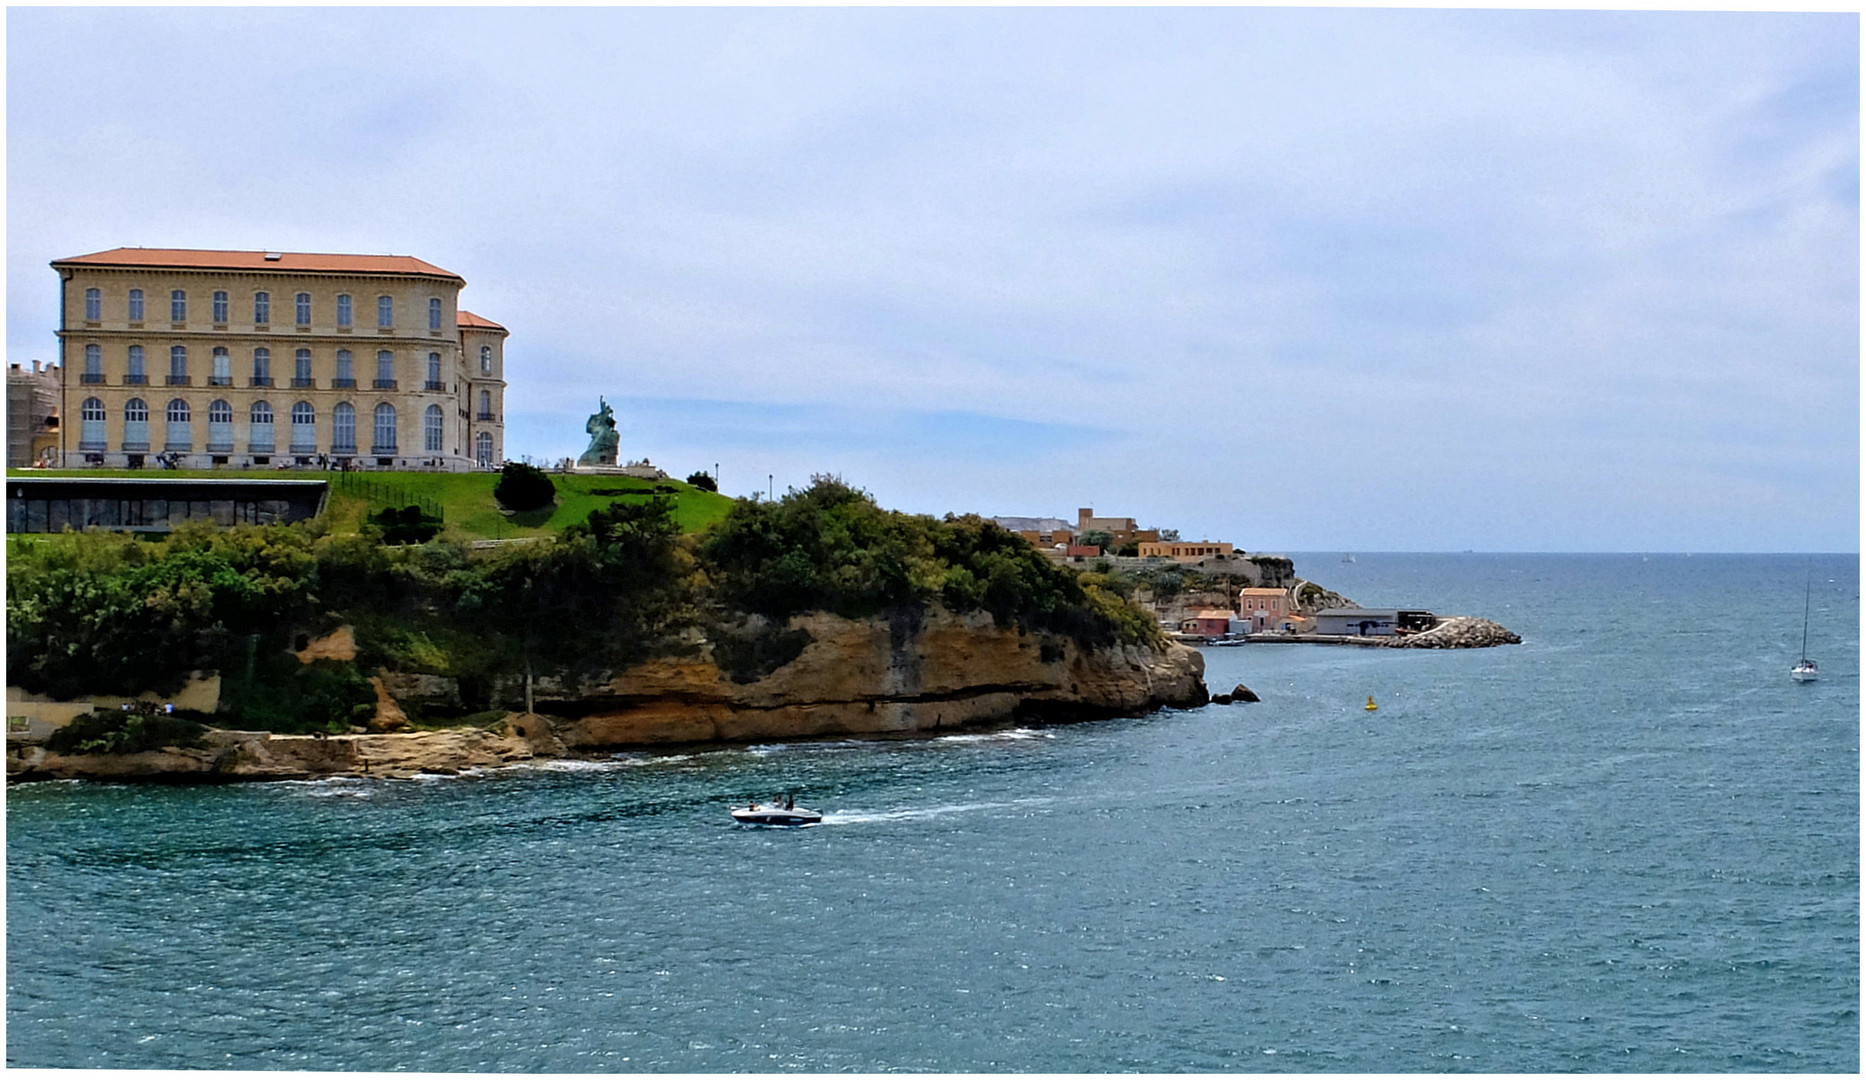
x=814 y=675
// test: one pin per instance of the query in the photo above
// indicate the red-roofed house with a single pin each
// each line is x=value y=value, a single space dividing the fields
x=270 y=358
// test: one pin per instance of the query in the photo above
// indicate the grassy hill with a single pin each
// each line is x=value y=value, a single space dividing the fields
x=465 y=499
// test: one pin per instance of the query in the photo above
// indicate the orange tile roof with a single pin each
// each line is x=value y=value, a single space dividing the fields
x=288 y=261
x=470 y=321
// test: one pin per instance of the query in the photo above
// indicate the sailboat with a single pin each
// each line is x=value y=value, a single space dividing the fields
x=1805 y=670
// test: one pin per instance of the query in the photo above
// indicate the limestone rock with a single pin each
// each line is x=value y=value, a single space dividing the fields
x=1457 y=632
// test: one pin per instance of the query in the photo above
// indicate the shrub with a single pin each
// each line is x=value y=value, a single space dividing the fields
x=142 y=726
x=703 y=481
x=409 y=525
x=523 y=487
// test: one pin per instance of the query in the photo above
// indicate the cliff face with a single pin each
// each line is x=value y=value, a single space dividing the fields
x=815 y=675
x=821 y=675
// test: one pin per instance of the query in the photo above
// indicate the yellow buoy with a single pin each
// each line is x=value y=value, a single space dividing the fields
x=1370 y=703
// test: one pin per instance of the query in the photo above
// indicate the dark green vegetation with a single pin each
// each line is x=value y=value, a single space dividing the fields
x=405 y=526
x=703 y=481
x=140 y=727
x=110 y=614
x=523 y=487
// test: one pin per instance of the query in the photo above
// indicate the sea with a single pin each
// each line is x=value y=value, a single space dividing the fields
x=1629 y=844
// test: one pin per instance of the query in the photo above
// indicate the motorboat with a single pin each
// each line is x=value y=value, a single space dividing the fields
x=779 y=811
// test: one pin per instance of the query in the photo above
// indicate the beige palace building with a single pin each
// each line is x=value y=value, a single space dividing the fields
x=241 y=359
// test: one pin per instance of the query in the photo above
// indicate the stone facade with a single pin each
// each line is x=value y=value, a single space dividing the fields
x=246 y=359
x=32 y=415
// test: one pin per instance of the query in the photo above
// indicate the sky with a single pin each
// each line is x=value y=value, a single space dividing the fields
x=1300 y=279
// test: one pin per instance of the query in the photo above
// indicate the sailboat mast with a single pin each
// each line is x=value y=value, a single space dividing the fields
x=1807 y=595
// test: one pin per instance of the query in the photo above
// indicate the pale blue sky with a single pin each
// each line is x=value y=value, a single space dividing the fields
x=1298 y=279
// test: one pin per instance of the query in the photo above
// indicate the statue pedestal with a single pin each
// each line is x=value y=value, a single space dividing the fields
x=639 y=472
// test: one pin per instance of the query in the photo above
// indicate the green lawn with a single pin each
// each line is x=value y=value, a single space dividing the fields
x=465 y=499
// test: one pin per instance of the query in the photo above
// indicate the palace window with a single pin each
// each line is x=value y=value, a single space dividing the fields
x=220 y=307
x=136 y=305
x=91 y=433
x=223 y=369
x=385 y=370
x=343 y=310
x=343 y=428
x=136 y=374
x=434 y=371
x=485 y=359
x=304 y=428
x=93 y=364
x=482 y=448
x=180 y=426
x=346 y=375
x=303 y=303
x=301 y=368
x=262 y=367
x=434 y=313
x=385 y=311
x=220 y=428
x=93 y=305
x=485 y=404
x=262 y=308
x=178 y=364
x=135 y=425
x=259 y=428
x=432 y=430
x=178 y=306
x=385 y=430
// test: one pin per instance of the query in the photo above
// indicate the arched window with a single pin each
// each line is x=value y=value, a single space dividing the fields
x=301 y=368
x=482 y=448
x=385 y=311
x=178 y=365
x=259 y=428
x=385 y=370
x=434 y=313
x=180 y=426
x=91 y=434
x=485 y=404
x=137 y=374
x=93 y=305
x=304 y=428
x=220 y=307
x=385 y=430
x=343 y=428
x=136 y=305
x=220 y=428
x=262 y=308
x=93 y=363
x=432 y=430
x=343 y=309
x=223 y=368
x=434 y=371
x=178 y=306
x=262 y=367
x=303 y=303
x=485 y=359
x=135 y=425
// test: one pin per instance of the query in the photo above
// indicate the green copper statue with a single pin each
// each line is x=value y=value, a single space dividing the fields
x=603 y=437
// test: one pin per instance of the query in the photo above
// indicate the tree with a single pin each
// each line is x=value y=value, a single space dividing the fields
x=1096 y=538
x=523 y=487
x=704 y=481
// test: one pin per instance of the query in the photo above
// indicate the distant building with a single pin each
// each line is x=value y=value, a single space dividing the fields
x=1209 y=623
x=1121 y=531
x=1265 y=609
x=1371 y=622
x=155 y=504
x=1183 y=551
x=32 y=414
x=265 y=358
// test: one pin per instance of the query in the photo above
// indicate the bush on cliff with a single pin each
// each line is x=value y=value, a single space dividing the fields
x=140 y=727
x=830 y=548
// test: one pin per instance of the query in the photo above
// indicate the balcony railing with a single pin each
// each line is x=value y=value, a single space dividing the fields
x=432 y=385
x=303 y=383
x=385 y=384
x=259 y=448
x=262 y=380
x=303 y=448
x=137 y=379
x=340 y=449
x=220 y=380
x=178 y=448
x=93 y=377
x=136 y=447
x=98 y=444
x=220 y=448
x=343 y=384
x=383 y=451
x=179 y=380
x=486 y=416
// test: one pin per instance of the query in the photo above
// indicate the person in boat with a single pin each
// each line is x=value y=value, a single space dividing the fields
x=790 y=803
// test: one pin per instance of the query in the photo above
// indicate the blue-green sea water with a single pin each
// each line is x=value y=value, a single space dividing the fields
x=1629 y=844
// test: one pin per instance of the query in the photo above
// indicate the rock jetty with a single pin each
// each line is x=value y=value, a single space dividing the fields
x=1457 y=632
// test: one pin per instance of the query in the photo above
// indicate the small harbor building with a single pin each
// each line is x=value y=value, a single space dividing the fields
x=1265 y=609
x=1371 y=622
